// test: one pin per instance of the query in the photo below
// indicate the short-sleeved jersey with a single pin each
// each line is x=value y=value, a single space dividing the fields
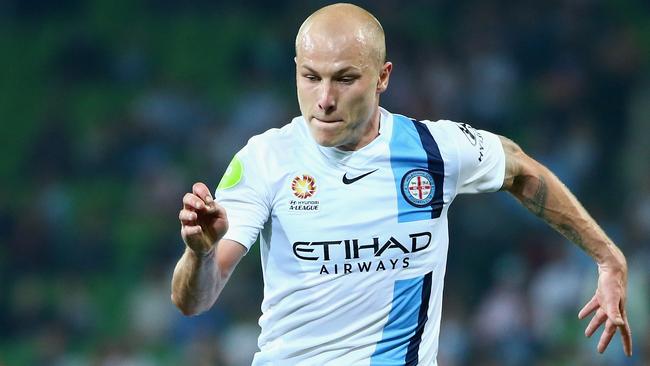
x=354 y=244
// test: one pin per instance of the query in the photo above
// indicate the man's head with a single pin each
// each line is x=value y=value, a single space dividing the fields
x=340 y=72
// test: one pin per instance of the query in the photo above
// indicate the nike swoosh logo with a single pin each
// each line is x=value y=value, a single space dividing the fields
x=347 y=180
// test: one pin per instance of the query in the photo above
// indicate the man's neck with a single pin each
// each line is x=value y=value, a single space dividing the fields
x=371 y=132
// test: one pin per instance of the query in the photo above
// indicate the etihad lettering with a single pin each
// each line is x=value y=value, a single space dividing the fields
x=354 y=248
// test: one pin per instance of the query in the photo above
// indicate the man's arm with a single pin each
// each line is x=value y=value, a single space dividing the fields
x=541 y=192
x=205 y=267
x=199 y=278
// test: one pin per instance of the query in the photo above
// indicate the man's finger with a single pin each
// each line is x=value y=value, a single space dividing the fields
x=187 y=231
x=626 y=338
x=606 y=337
x=191 y=201
x=596 y=322
x=588 y=308
x=202 y=191
x=187 y=217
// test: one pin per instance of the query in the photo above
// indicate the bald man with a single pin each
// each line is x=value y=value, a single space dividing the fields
x=350 y=205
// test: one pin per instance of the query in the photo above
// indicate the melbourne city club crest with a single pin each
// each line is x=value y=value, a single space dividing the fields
x=418 y=187
x=304 y=188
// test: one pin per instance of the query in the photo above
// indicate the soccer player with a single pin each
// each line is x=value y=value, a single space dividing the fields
x=350 y=204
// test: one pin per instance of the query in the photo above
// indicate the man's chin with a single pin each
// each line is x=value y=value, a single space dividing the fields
x=334 y=143
x=323 y=138
x=324 y=141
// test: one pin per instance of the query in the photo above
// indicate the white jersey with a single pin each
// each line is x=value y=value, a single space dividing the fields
x=354 y=244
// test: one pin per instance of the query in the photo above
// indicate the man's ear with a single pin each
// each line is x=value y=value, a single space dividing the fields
x=384 y=76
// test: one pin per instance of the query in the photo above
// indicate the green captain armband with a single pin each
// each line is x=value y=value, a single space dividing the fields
x=233 y=174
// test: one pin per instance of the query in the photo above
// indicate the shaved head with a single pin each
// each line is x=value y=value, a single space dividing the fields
x=347 y=24
x=340 y=73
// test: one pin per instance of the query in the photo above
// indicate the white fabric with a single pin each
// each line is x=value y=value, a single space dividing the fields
x=325 y=302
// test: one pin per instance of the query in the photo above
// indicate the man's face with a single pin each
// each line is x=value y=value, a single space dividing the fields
x=339 y=83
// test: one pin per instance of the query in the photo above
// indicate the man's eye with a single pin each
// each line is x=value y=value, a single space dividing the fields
x=312 y=77
x=347 y=79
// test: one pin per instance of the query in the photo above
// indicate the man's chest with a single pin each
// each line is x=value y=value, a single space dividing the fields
x=337 y=218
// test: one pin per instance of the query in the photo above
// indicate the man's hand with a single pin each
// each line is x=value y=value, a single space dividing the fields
x=203 y=221
x=609 y=305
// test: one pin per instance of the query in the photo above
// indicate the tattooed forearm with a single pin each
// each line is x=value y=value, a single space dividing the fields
x=536 y=202
x=543 y=194
x=570 y=233
x=573 y=235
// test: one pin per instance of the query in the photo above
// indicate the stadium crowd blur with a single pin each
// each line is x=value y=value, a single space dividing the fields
x=112 y=109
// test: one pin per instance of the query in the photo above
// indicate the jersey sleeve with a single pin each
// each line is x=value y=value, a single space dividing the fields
x=481 y=160
x=242 y=192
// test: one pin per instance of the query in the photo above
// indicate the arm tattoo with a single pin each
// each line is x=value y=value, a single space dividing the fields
x=573 y=235
x=527 y=181
x=537 y=203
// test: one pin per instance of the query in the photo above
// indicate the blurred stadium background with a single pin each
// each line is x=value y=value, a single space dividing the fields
x=110 y=110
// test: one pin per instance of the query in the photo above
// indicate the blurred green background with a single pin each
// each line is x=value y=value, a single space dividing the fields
x=110 y=110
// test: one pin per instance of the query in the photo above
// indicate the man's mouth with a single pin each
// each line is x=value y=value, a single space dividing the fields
x=327 y=120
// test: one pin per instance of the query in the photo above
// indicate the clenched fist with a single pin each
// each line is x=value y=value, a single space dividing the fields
x=203 y=221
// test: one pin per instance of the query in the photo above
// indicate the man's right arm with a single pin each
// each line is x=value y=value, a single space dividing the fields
x=199 y=278
x=208 y=261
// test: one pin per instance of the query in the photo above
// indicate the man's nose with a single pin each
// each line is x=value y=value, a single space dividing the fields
x=327 y=98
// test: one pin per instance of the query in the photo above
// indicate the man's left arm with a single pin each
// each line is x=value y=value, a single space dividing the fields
x=541 y=192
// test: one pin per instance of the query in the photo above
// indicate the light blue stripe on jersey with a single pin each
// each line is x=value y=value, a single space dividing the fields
x=401 y=324
x=407 y=153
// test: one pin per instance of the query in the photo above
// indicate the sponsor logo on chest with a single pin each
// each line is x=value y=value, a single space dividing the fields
x=355 y=255
x=303 y=189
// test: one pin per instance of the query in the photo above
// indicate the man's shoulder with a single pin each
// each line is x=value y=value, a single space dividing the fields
x=440 y=123
x=441 y=126
x=448 y=135
x=275 y=138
